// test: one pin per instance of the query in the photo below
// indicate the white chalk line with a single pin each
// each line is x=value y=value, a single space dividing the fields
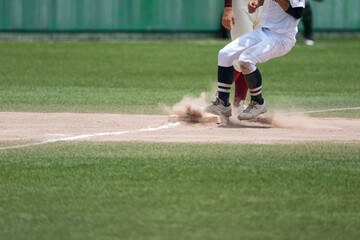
x=322 y=111
x=170 y=125
x=152 y=129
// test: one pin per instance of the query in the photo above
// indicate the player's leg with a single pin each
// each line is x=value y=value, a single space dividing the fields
x=256 y=18
x=253 y=79
x=271 y=45
x=243 y=20
x=221 y=105
x=226 y=57
x=255 y=21
x=243 y=25
x=241 y=89
x=308 y=25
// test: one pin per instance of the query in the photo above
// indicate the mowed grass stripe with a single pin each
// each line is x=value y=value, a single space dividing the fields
x=180 y=191
x=137 y=77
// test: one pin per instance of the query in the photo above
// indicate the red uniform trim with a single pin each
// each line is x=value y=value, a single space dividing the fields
x=228 y=3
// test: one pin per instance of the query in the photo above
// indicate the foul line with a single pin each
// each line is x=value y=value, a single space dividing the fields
x=170 y=125
x=322 y=111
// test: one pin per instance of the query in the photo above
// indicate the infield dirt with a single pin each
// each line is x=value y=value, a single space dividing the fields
x=16 y=127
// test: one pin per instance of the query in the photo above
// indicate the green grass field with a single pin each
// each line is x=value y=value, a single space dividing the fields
x=180 y=191
x=134 y=77
x=175 y=191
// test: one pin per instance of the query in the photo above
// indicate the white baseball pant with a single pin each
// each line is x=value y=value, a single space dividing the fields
x=244 y=21
x=255 y=47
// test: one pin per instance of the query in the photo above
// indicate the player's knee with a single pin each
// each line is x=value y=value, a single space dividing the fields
x=246 y=66
x=236 y=65
x=224 y=58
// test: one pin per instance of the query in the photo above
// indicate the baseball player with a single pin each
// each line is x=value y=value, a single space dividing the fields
x=275 y=38
x=239 y=21
x=307 y=21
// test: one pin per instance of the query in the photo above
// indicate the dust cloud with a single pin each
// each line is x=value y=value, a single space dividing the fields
x=191 y=109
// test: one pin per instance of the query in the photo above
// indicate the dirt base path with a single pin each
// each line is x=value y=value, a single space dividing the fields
x=41 y=128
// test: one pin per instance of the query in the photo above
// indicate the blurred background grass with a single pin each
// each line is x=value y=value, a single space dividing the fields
x=135 y=77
